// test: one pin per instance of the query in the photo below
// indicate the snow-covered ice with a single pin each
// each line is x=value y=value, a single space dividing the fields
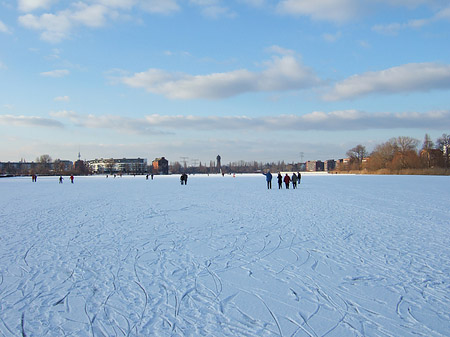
x=223 y=256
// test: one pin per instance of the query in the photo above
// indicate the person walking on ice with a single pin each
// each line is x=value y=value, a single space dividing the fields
x=71 y=178
x=280 y=181
x=183 y=179
x=61 y=179
x=268 y=179
x=287 y=180
x=294 y=181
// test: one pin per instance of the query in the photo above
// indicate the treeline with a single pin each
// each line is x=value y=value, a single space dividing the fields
x=44 y=165
x=240 y=166
x=401 y=155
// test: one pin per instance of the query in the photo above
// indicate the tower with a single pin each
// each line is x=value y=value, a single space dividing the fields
x=219 y=167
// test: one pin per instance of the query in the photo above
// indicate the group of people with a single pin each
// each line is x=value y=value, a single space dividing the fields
x=61 y=179
x=295 y=179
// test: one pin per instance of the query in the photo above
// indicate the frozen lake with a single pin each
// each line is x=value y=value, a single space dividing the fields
x=223 y=256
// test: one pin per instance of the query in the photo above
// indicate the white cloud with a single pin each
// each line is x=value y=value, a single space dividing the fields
x=411 y=77
x=4 y=28
x=281 y=74
x=332 y=37
x=444 y=14
x=341 y=11
x=215 y=12
x=254 y=3
x=280 y=50
x=64 y=114
x=31 y=5
x=56 y=73
x=160 y=6
x=394 y=28
x=62 y=99
x=13 y=120
x=90 y=15
x=407 y=3
x=213 y=8
x=329 y=10
x=124 y=4
x=55 y=27
x=117 y=123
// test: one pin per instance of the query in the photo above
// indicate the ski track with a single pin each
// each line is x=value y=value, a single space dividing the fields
x=223 y=256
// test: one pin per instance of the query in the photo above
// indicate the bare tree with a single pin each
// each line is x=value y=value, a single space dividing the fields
x=58 y=166
x=406 y=144
x=406 y=155
x=382 y=155
x=44 y=163
x=356 y=155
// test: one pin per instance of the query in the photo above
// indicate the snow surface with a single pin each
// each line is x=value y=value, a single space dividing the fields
x=223 y=256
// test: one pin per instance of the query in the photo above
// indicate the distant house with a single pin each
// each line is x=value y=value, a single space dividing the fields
x=329 y=165
x=160 y=166
x=315 y=165
x=342 y=164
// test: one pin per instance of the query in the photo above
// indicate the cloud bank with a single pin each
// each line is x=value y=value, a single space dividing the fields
x=33 y=121
x=413 y=77
x=344 y=120
x=281 y=74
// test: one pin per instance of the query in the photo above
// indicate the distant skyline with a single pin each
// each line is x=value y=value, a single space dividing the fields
x=262 y=80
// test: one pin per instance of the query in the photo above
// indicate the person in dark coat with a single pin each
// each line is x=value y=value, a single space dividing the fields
x=268 y=179
x=294 y=181
x=183 y=179
x=280 y=181
x=287 y=180
x=299 y=178
x=61 y=179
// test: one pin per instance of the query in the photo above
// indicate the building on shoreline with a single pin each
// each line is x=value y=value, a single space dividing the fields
x=160 y=166
x=118 y=166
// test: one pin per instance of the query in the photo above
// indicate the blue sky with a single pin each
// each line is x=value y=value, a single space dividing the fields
x=262 y=80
